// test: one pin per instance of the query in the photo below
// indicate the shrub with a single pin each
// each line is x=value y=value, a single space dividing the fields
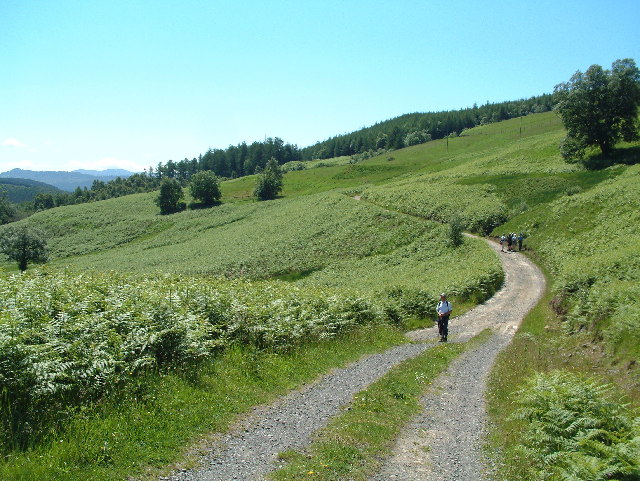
x=455 y=232
x=294 y=165
x=269 y=183
x=577 y=430
x=520 y=208
x=205 y=186
x=170 y=197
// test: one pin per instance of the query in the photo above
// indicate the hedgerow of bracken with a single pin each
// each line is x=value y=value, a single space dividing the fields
x=68 y=340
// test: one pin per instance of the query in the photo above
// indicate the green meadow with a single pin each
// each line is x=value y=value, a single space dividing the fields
x=353 y=249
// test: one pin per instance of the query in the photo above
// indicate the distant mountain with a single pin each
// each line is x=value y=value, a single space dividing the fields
x=24 y=190
x=108 y=172
x=68 y=181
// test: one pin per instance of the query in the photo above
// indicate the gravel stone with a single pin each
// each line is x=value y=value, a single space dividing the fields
x=442 y=443
x=250 y=451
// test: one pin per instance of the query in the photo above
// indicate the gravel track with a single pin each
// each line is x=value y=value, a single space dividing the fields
x=445 y=441
x=250 y=450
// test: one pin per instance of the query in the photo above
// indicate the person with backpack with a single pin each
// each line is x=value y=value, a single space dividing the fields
x=444 y=311
x=503 y=238
x=520 y=239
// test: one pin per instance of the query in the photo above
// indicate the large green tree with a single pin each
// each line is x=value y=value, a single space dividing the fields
x=205 y=187
x=599 y=108
x=43 y=201
x=170 y=197
x=24 y=244
x=270 y=182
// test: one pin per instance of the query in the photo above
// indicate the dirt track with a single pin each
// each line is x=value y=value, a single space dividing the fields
x=442 y=443
x=445 y=441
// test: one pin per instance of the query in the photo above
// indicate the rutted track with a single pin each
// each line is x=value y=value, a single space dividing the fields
x=250 y=450
x=444 y=442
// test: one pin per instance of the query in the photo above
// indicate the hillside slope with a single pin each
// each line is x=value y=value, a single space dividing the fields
x=506 y=172
x=365 y=240
x=24 y=190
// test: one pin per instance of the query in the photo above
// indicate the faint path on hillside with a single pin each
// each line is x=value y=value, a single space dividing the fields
x=445 y=441
x=251 y=449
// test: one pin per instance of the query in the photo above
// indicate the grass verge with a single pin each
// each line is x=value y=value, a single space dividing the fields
x=350 y=447
x=140 y=433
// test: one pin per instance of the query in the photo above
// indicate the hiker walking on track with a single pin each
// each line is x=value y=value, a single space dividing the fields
x=444 y=311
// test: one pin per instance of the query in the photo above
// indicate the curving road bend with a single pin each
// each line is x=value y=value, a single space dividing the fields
x=444 y=443
x=441 y=444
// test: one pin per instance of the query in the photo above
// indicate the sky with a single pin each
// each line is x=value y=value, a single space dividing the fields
x=93 y=84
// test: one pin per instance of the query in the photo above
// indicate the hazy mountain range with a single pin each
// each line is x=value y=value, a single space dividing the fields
x=68 y=181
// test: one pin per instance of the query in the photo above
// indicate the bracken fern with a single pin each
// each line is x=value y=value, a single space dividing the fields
x=577 y=430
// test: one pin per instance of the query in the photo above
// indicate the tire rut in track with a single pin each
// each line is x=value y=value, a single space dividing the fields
x=250 y=450
x=445 y=441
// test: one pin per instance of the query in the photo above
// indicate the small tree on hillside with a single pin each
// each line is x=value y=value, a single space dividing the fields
x=599 y=108
x=24 y=244
x=269 y=183
x=205 y=186
x=170 y=197
x=456 y=235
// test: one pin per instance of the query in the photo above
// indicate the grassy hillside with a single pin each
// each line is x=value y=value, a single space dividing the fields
x=330 y=238
x=581 y=224
x=590 y=241
x=504 y=176
x=374 y=231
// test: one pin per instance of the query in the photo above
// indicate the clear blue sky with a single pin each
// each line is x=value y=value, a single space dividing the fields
x=97 y=84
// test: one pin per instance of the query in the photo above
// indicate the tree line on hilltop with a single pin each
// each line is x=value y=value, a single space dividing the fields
x=417 y=128
x=247 y=159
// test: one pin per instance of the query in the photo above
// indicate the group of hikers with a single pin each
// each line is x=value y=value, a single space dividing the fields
x=511 y=240
x=444 y=307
